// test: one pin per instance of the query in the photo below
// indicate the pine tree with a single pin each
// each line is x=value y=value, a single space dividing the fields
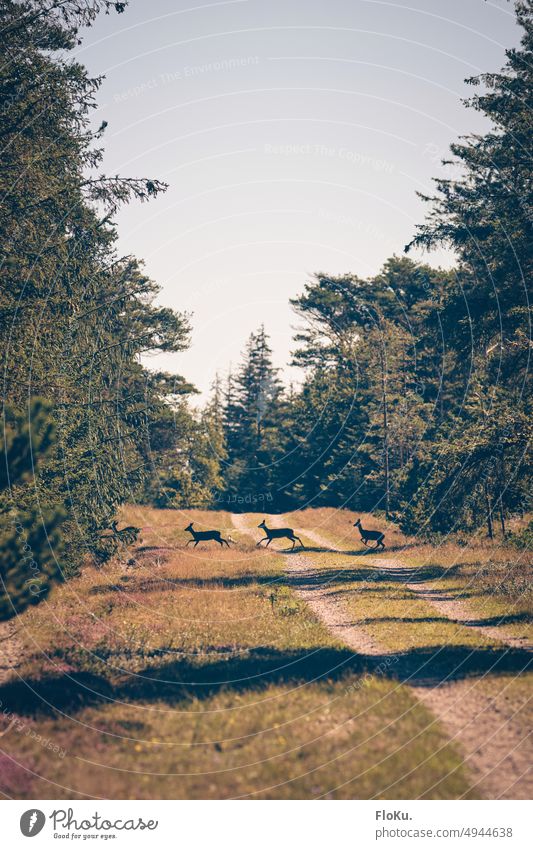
x=253 y=424
x=485 y=216
x=74 y=316
x=366 y=346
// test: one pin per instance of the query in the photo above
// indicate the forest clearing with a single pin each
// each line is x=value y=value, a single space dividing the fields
x=329 y=672
x=265 y=482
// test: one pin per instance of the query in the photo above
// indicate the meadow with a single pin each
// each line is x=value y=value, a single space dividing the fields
x=180 y=672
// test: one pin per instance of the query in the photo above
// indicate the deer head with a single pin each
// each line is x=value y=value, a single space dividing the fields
x=263 y=524
x=357 y=524
x=189 y=527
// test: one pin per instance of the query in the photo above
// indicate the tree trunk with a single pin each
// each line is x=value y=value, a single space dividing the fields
x=385 y=430
x=502 y=485
x=502 y=519
x=489 y=513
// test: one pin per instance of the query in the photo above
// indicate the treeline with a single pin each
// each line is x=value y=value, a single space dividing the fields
x=394 y=413
x=74 y=314
x=417 y=395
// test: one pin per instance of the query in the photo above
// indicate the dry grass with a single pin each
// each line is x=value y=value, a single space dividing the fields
x=284 y=743
x=199 y=674
x=494 y=579
x=336 y=526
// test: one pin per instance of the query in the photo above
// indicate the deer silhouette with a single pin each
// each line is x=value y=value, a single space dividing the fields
x=370 y=535
x=198 y=536
x=127 y=535
x=278 y=533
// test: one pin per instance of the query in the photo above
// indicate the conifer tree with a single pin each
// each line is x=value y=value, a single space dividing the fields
x=253 y=423
x=75 y=316
x=484 y=214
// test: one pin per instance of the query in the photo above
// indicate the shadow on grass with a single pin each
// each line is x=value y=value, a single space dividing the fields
x=415 y=620
x=377 y=574
x=351 y=552
x=510 y=619
x=157 y=584
x=177 y=681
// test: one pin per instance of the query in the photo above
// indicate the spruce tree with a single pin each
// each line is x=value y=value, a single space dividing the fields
x=484 y=214
x=74 y=315
x=253 y=424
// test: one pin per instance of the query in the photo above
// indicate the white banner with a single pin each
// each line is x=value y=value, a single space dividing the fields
x=268 y=825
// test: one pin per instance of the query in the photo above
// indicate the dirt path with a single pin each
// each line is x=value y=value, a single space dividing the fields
x=491 y=730
x=449 y=606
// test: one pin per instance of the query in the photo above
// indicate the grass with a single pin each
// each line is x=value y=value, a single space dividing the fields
x=200 y=674
x=494 y=580
x=284 y=743
x=493 y=583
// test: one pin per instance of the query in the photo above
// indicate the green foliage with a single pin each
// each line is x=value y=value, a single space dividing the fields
x=523 y=539
x=480 y=456
x=184 y=452
x=253 y=427
x=416 y=381
x=29 y=531
x=75 y=317
x=372 y=375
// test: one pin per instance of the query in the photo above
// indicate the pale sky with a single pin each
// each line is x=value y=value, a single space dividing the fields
x=293 y=134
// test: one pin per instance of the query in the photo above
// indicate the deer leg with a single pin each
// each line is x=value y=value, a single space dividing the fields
x=301 y=543
x=196 y=543
x=262 y=540
x=269 y=541
x=189 y=542
x=225 y=540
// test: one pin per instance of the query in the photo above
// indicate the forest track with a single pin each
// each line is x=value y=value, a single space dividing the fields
x=451 y=607
x=491 y=730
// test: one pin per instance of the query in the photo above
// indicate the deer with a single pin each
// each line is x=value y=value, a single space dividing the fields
x=198 y=536
x=127 y=535
x=278 y=533
x=368 y=535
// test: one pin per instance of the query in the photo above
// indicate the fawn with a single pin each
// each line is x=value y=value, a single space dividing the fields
x=370 y=535
x=278 y=533
x=198 y=536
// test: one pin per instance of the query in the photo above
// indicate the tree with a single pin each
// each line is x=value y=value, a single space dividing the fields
x=372 y=373
x=253 y=424
x=30 y=538
x=186 y=450
x=484 y=214
x=74 y=315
